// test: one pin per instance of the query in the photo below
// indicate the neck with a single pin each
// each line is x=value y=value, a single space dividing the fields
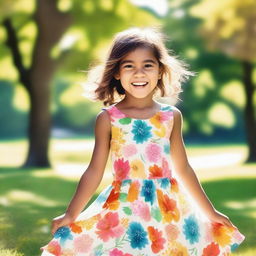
x=138 y=103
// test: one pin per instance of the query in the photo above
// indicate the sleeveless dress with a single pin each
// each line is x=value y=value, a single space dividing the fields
x=145 y=211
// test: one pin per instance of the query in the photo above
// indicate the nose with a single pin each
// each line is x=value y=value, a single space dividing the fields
x=139 y=72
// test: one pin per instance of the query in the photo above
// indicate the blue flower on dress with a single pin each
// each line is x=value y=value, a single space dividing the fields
x=167 y=148
x=141 y=131
x=148 y=191
x=164 y=182
x=64 y=234
x=234 y=246
x=191 y=229
x=137 y=235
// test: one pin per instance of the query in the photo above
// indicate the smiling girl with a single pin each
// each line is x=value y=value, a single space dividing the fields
x=145 y=211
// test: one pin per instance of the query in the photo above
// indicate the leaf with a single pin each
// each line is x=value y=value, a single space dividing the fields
x=127 y=210
x=122 y=197
x=125 y=120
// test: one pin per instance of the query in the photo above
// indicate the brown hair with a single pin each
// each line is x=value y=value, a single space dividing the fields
x=105 y=87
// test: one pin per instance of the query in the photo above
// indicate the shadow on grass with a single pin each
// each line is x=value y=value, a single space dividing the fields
x=28 y=202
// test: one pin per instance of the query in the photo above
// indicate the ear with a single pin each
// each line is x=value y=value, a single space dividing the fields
x=117 y=76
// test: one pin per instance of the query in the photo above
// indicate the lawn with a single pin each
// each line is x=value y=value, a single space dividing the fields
x=30 y=198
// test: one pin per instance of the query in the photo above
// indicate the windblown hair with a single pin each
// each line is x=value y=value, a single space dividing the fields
x=102 y=84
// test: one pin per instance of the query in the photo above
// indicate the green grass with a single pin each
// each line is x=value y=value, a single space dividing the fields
x=30 y=198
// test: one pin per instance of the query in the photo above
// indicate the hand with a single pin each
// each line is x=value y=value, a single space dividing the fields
x=219 y=217
x=60 y=221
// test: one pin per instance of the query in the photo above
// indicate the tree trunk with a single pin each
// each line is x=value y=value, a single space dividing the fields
x=249 y=114
x=51 y=25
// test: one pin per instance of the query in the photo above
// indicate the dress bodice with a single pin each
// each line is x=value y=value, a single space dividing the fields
x=140 y=148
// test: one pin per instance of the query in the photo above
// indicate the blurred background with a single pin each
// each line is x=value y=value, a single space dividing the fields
x=47 y=125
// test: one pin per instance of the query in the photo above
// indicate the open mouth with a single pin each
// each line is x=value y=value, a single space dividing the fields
x=140 y=84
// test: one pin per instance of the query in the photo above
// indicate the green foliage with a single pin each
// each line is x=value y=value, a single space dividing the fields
x=10 y=253
x=13 y=121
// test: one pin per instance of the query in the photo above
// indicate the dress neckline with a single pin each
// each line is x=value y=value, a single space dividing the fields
x=127 y=116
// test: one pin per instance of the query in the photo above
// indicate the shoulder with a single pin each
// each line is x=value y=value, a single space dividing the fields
x=176 y=112
x=177 y=116
x=103 y=120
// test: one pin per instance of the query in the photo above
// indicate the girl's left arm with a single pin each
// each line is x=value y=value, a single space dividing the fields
x=187 y=174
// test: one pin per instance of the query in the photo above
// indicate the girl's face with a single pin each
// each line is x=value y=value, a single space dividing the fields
x=139 y=73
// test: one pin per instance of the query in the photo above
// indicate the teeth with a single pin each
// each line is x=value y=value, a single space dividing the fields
x=139 y=84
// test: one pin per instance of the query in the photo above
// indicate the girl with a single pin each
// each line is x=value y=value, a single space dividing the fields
x=145 y=211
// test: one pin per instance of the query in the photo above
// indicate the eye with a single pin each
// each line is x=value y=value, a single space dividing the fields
x=148 y=65
x=127 y=66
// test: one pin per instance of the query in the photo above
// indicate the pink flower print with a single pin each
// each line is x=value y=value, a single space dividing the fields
x=129 y=150
x=166 y=170
x=165 y=115
x=153 y=152
x=172 y=232
x=83 y=244
x=117 y=252
x=141 y=209
x=114 y=112
x=109 y=226
x=121 y=168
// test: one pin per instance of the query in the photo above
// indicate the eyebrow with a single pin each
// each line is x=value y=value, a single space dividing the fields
x=130 y=61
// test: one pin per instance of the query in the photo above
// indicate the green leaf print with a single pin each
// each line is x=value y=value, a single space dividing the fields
x=156 y=214
x=122 y=197
x=125 y=120
x=98 y=250
x=193 y=251
x=127 y=210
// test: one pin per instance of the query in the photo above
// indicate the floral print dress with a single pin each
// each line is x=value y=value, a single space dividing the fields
x=145 y=211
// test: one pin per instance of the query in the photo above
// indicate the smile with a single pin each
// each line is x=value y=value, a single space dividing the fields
x=140 y=84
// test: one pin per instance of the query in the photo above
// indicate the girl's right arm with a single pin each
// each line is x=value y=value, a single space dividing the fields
x=92 y=176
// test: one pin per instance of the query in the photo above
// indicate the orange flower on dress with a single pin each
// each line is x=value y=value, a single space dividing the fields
x=155 y=172
x=168 y=207
x=75 y=228
x=156 y=120
x=174 y=185
x=133 y=191
x=109 y=227
x=88 y=223
x=54 y=248
x=221 y=233
x=211 y=250
x=112 y=201
x=157 y=240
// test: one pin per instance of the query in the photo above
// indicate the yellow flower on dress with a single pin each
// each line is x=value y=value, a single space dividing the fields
x=88 y=223
x=125 y=222
x=137 y=169
x=156 y=120
x=175 y=249
x=221 y=234
x=160 y=132
x=117 y=140
x=183 y=204
x=67 y=252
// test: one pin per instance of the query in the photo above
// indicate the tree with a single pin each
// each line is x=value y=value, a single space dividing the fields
x=230 y=27
x=52 y=19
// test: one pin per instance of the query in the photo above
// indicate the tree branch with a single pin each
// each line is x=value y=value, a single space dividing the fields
x=12 y=43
